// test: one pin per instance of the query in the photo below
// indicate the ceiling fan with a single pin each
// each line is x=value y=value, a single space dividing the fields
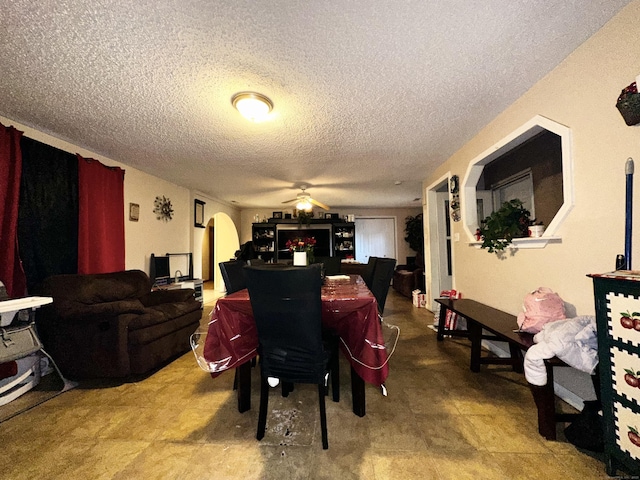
x=304 y=200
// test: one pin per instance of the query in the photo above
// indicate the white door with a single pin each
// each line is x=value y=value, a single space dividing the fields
x=375 y=237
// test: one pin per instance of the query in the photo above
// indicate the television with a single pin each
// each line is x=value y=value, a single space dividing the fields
x=159 y=271
x=170 y=267
x=322 y=234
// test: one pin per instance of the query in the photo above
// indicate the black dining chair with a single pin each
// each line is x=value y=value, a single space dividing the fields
x=367 y=273
x=332 y=265
x=233 y=275
x=381 y=280
x=287 y=308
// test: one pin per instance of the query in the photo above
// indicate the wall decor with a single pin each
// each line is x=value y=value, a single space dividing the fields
x=134 y=212
x=276 y=215
x=163 y=209
x=198 y=213
x=454 y=187
x=628 y=104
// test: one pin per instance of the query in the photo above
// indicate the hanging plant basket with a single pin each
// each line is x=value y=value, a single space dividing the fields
x=629 y=104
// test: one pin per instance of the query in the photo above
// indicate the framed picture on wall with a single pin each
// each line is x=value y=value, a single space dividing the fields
x=134 y=212
x=277 y=215
x=198 y=213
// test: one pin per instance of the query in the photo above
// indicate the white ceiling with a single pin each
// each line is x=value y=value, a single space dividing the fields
x=366 y=92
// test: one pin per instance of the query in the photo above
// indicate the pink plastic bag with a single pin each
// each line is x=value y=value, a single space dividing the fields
x=541 y=306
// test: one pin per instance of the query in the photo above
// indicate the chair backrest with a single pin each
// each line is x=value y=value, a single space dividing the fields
x=287 y=308
x=233 y=275
x=367 y=273
x=331 y=265
x=381 y=279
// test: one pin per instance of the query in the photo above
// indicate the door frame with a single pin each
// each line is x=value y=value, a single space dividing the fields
x=432 y=237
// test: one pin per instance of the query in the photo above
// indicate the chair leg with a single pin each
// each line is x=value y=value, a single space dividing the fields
x=335 y=372
x=323 y=416
x=264 y=403
x=287 y=388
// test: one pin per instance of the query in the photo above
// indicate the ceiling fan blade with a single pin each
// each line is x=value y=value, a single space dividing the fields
x=319 y=204
x=289 y=201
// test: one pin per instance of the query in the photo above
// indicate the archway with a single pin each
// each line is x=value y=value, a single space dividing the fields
x=226 y=242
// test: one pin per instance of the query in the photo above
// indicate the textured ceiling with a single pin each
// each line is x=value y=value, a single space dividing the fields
x=366 y=93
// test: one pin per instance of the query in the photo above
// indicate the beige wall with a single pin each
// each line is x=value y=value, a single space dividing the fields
x=581 y=94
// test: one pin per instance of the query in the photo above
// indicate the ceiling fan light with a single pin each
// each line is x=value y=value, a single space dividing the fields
x=304 y=205
x=253 y=106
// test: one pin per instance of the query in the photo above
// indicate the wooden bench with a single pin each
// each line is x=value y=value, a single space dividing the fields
x=503 y=326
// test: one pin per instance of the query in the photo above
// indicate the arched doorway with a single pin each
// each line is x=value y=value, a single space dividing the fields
x=220 y=241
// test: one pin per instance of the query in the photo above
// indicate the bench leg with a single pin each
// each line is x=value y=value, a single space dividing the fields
x=441 y=321
x=475 y=335
x=545 y=399
x=517 y=359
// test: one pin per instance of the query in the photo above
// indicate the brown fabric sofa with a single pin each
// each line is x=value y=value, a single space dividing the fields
x=113 y=325
x=409 y=277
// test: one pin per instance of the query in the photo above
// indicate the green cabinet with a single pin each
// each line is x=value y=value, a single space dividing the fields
x=617 y=301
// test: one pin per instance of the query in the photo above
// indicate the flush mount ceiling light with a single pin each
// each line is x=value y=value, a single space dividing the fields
x=252 y=106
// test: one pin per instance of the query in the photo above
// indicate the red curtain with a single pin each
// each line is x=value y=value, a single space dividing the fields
x=11 y=272
x=100 y=217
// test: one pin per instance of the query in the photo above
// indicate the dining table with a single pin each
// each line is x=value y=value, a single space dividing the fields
x=349 y=310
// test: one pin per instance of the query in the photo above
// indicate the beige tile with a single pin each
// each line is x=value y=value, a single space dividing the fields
x=403 y=465
x=506 y=434
x=439 y=421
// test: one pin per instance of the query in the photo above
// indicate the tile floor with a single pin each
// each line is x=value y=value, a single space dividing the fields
x=439 y=421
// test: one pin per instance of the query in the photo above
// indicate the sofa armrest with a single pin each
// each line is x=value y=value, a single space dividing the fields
x=70 y=310
x=158 y=297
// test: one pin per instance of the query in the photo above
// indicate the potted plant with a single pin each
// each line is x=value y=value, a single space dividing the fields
x=510 y=221
x=305 y=217
x=414 y=233
x=536 y=228
x=302 y=249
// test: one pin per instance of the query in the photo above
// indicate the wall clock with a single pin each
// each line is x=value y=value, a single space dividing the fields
x=163 y=208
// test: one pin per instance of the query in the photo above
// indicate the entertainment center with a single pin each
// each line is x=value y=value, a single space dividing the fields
x=334 y=238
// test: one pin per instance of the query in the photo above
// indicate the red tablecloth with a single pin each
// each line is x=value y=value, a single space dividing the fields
x=348 y=308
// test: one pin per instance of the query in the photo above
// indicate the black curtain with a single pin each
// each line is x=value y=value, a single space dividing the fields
x=48 y=212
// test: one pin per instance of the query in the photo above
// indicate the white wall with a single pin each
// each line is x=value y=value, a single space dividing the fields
x=226 y=233
x=581 y=94
x=149 y=235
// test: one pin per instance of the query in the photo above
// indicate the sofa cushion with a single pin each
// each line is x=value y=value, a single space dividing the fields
x=147 y=334
x=98 y=288
x=71 y=310
x=158 y=297
x=162 y=313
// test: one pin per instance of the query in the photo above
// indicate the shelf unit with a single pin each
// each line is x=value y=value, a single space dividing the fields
x=264 y=240
x=344 y=240
x=343 y=235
